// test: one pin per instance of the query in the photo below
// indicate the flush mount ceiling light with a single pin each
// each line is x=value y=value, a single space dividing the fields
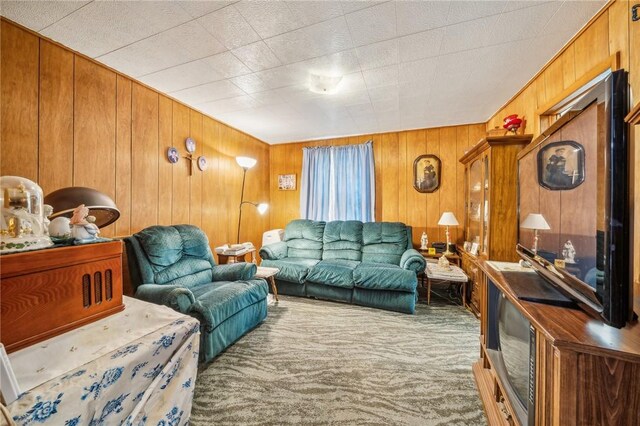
x=323 y=84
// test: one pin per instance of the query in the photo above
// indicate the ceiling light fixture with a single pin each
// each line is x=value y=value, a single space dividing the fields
x=325 y=85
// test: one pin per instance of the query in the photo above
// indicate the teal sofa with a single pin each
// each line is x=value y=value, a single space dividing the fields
x=174 y=266
x=369 y=264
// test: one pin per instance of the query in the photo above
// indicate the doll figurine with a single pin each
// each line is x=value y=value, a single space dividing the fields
x=82 y=227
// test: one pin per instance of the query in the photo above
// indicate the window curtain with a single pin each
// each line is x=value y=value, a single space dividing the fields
x=338 y=183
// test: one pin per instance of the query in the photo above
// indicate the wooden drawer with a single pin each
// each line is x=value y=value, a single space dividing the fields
x=49 y=292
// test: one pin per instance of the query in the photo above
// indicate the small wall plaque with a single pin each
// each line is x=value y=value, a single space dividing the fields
x=287 y=182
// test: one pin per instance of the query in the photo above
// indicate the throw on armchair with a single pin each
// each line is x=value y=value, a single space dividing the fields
x=174 y=266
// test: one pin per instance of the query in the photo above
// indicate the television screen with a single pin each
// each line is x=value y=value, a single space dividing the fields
x=513 y=332
x=575 y=177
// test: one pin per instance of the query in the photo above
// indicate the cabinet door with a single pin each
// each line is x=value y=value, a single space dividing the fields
x=485 y=205
x=474 y=206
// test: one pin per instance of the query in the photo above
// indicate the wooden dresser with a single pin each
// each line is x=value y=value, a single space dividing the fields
x=491 y=190
x=48 y=292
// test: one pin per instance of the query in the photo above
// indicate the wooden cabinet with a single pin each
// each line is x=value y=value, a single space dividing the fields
x=48 y=292
x=584 y=372
x=491 y=183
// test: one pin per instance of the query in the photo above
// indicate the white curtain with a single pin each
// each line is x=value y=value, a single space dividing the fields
x=338 y=183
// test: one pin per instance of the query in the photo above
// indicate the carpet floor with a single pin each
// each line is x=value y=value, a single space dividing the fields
x=317 y=362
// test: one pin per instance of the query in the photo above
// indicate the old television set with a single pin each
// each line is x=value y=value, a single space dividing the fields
x=511 y=348
x=576 y=174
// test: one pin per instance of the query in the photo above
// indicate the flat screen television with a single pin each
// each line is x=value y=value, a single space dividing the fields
x=576 y=175
x=511 y=347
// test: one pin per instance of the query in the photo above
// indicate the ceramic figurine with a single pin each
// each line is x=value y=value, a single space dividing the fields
x=569 y=252
x=48 y=211
x=60 y=227
x=443 y=263
x=424 y=241
x=82 y=227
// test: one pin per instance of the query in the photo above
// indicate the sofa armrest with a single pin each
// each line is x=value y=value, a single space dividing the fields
x=175 y=297
x=234 y=272
x=274 y=251
x=413 y=261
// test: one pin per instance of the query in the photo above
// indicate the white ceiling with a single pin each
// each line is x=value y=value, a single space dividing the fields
x=406 y=64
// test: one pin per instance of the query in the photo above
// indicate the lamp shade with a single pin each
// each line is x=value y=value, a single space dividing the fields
x=100 y=205
x=448 y=219
x=535 y=221
x=246 y=162
x=262 y=208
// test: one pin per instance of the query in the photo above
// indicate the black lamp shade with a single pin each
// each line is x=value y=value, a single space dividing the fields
x=100 y=205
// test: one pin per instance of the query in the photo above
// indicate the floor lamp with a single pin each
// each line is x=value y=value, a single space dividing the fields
x=246 y=163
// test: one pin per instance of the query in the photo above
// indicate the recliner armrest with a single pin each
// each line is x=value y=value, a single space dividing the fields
x=274 y=251
x=234 y=272
x=413 y=261
x=175 y=297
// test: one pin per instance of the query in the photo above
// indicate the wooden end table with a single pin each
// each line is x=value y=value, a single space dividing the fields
x=269 y=274
x=455 y=258
x=223 y=259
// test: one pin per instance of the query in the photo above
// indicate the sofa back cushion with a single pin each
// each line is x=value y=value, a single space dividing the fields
x=177 y=254
x=342 y=240
x=384 y=242
x=304 y=238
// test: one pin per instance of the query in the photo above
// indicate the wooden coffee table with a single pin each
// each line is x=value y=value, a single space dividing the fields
x=269 y=274
x=454 y=275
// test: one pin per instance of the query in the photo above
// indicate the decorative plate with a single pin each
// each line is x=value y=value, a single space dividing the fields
x=190 y=144
x=202 y=163
x=172 y=155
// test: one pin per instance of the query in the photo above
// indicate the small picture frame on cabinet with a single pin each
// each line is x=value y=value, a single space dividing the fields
x=474 y=249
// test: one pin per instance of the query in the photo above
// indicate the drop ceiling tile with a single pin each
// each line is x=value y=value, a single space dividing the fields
x=461 y=11
x=184 y=43
x=312 y=41
x=416 y=16
x=38 y=15
x=268 y=18
x=361 y=111
x=522 y=24
x=353 y=5
x=268 y=97
x=223 y=106
x=378 y=54
x=257 y=56
x=182 y=76
x=227 y=64
x=229 y=27
x=425 y=44
x=199 y=8
x=249 y=83
x=114 y=25
x=467 y=35
x=372 y=24
x=208 y=92
x=381 y=76
x=420 y=70
x=523 y=4
x=282 y=76
x=384 y=93
x=570 y=17
x=311 y=12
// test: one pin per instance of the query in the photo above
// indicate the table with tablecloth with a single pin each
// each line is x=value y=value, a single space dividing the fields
x=136 y=367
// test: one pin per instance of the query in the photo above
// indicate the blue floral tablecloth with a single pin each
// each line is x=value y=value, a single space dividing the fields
x=149 y=380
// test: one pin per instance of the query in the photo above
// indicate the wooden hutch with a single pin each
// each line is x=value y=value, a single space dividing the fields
x=491 y=190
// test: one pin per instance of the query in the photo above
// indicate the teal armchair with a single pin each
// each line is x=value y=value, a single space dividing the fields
x=174 y=266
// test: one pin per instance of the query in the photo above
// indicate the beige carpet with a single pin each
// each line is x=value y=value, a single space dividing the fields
x=317 y=362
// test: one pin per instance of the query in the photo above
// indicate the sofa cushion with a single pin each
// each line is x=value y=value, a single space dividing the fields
x=336 y=273
x=294 y=270
x=384 y=242
x=220 y=300
x=342 y=240
x=375 y=276
x=304 y=239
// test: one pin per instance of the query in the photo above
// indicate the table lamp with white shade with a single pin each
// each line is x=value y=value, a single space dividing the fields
x=448 y=219
x=536 y=222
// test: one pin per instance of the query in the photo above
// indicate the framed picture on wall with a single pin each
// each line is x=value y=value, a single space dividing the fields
x=561 y=165
x=426 y=173
x=287 y=182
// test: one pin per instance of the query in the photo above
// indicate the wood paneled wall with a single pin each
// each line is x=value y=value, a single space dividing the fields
x=67 y=120
x=612 y=31
x=396 y=199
